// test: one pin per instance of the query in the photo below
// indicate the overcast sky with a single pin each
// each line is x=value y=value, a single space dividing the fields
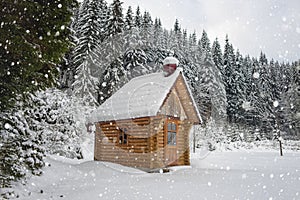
x=272 y=26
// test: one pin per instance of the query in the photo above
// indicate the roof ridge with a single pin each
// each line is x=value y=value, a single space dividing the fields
x=143 y=76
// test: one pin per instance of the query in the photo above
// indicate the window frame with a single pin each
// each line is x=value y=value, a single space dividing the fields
x=122 y=137
x=173 y=131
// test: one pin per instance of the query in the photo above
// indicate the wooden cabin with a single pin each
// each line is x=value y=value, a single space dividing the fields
x=146 y=123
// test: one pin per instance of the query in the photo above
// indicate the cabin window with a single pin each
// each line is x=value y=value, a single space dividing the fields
x=123 y=136
x=172 y=133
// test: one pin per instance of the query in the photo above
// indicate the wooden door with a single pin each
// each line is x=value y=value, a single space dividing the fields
x=170 y=139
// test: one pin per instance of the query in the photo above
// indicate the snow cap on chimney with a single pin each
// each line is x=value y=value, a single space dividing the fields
x=170 y=64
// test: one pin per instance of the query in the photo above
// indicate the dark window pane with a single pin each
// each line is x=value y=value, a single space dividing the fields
x=169 y=126
x=174 y=127
x=171 y=138
x=120 y=138
x=174 y=139
x=125 y=139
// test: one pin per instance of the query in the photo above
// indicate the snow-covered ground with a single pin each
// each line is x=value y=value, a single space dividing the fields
x=217 y=175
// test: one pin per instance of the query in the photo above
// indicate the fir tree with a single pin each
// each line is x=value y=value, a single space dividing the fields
x=33 y=40
x=34 y=37
x=177 y=27
x=205 y=43
x=114 y=73
x=177 y=44
x=116 y=21
x=240 y=84
x=129 y=23
x=229 y=74
x=134 y=58
x=248 y=94
x=191 y=68
x=138 y=18
x=52 y=116
x=21 y=150
x=210 y=92
x=157 y=34
x=217 y=54
x=292 y=102
x=85 y=58
x=146 y=32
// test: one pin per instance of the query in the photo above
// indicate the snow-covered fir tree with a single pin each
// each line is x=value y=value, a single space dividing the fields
x=159 y=51
x=147 y=27
x=129 y=23
x=205 y=43
x=230 y=80
x=146 y=32
x=212 y=93
x=217 y=54
x=20 y=147
x=34 y=37
x=177 y=44
x=292 y=101
x=113 y=75
x=85 y=59
x=134 y=59
x=138 y=18
x=54 y=117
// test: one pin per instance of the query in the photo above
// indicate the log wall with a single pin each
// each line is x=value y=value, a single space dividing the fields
x=146 y=145
x=135 y=153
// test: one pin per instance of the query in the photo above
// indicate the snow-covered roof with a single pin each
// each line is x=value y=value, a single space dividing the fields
x=140 y=97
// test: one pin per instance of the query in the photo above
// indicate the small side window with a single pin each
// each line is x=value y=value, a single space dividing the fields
x=172 y=130
x=123 y=136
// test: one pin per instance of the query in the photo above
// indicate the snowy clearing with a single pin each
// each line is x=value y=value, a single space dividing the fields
x=217 y=175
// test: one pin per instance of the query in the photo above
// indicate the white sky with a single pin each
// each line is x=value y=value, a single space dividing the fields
x=272 y=26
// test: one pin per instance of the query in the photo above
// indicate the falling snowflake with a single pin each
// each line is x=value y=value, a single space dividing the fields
x=246 y=105
x=244 y=176
x=275 y=104
x=256 y=75
x=7 y=126
x=284 y=19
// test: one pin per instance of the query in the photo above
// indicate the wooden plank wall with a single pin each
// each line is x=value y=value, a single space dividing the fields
x=183 y=153
x=172 y=106
x=135 y=153
x=157 y=142
x=146 y=146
